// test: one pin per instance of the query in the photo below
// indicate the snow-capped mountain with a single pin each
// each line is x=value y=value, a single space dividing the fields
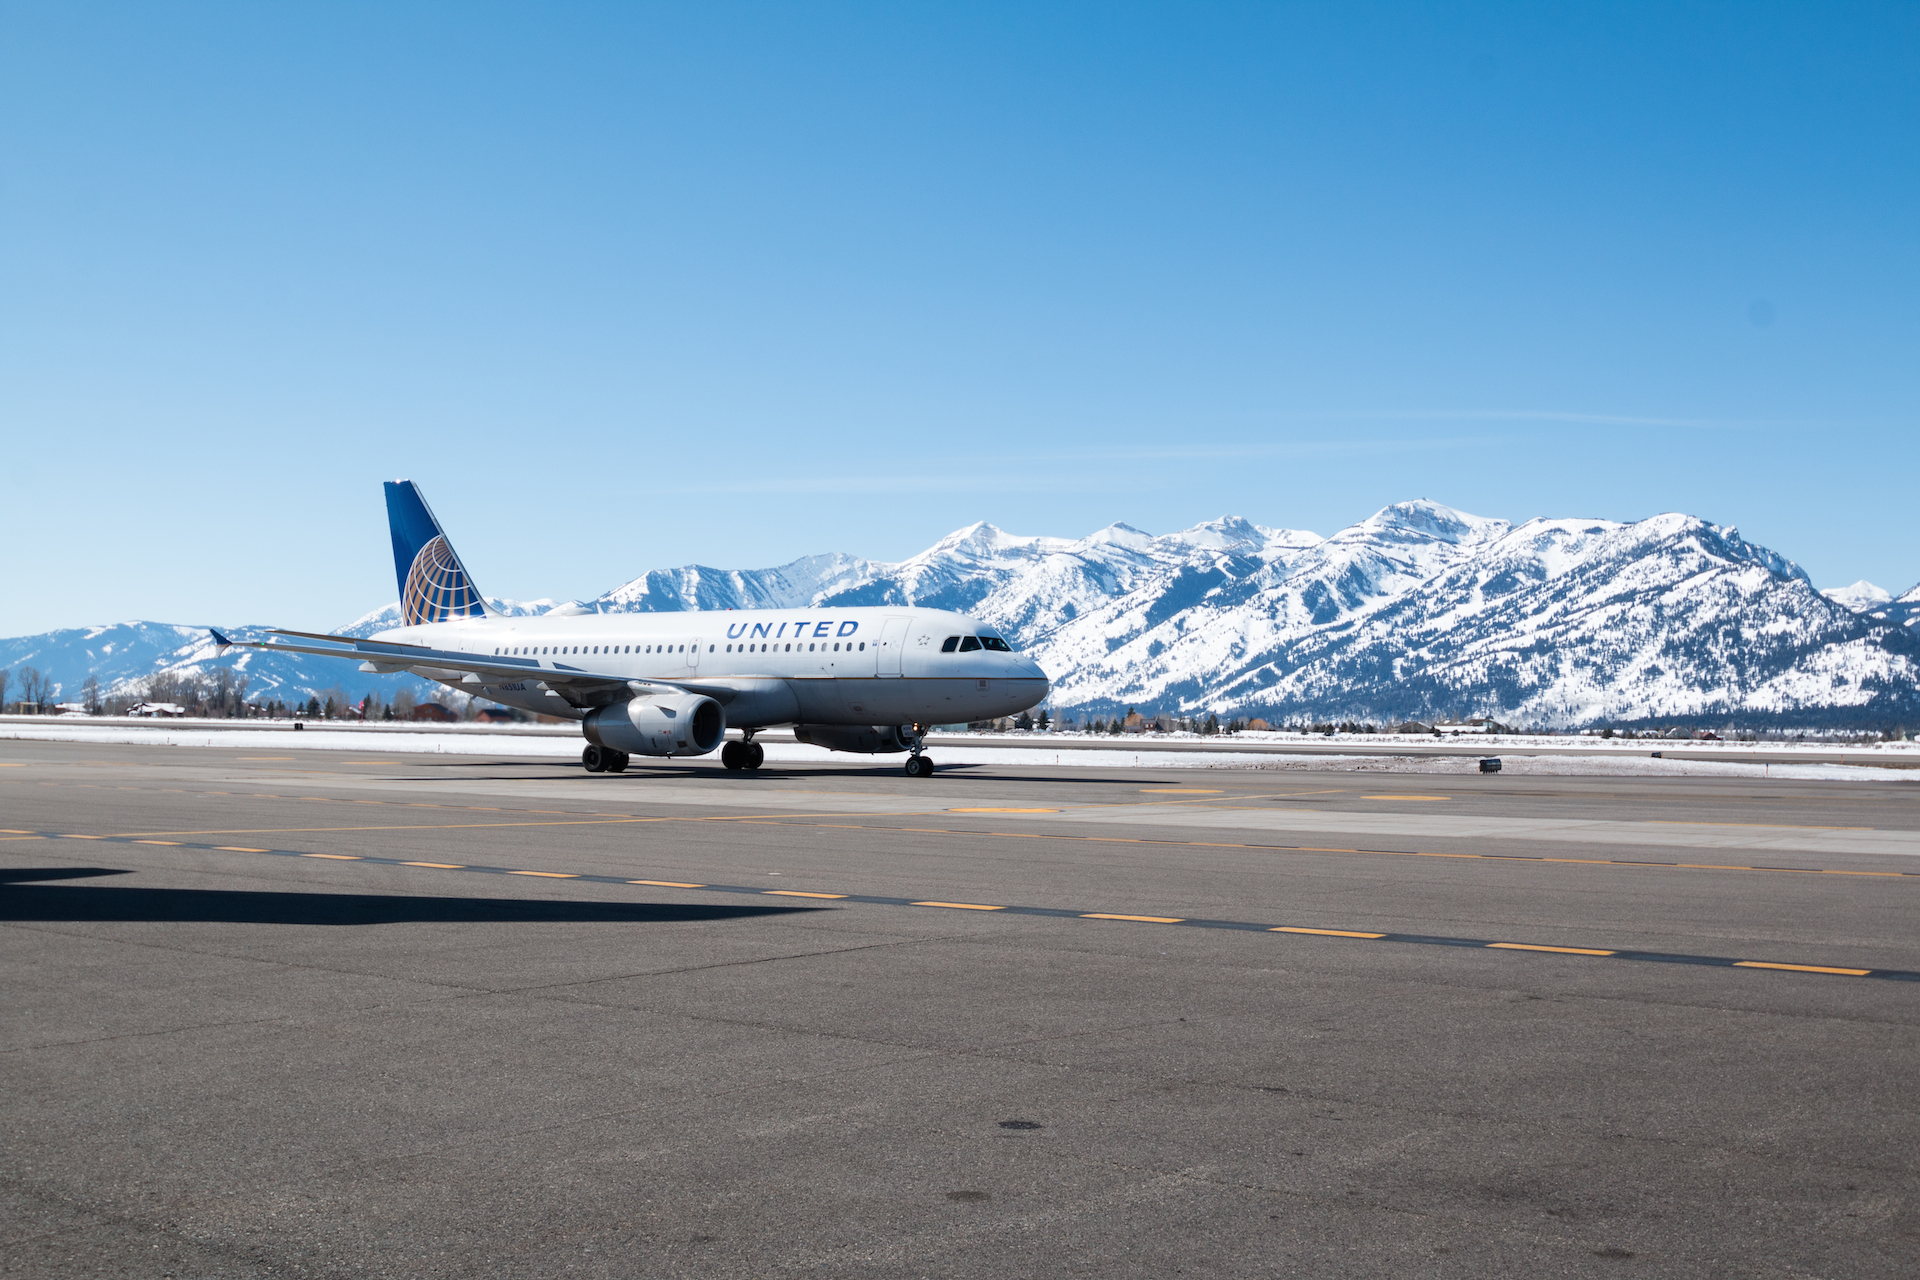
x=1418 y=611
x=123 y=655
x=1861 y=597
x=1023 y=584
x=1421 y=611
x=388 y=616
x=1875 y=602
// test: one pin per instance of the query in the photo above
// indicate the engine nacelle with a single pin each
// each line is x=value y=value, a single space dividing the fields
x=866 y=739
x=681 y=724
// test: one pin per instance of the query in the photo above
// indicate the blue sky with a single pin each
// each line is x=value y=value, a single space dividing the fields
x=625 y=287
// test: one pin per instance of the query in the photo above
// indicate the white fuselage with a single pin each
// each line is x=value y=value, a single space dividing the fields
x=825 y=666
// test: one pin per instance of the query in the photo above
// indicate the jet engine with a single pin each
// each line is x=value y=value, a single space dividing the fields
x=683 y=724
x=866 y=739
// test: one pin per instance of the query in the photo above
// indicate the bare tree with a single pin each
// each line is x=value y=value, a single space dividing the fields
x=164 y=686
x=220 y=696
x=91 y=691
x=35 y=688
x=4 y=676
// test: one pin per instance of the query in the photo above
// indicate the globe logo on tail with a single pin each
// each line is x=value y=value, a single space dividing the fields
x=438 y=588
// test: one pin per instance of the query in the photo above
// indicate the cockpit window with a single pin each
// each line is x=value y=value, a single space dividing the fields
x=968 y=644
x=995 y=643
x=951 y=644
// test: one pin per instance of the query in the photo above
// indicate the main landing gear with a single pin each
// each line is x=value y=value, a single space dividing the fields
x=603 y=759
x=919 y=766
x=743 y=755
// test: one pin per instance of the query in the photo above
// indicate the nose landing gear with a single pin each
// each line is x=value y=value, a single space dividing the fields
x=919 y=766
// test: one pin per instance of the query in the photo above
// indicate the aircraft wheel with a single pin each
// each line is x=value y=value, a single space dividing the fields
x=730 y=755
x=594 y=759
x=617 y=761
x=756 y=755
x=919 y=766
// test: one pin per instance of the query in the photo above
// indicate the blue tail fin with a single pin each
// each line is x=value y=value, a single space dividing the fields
x=434 y=585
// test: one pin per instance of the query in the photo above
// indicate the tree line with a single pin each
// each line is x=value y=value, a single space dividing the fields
x=219 y=694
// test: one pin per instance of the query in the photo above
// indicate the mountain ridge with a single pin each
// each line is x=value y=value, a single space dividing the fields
x=1420 y=610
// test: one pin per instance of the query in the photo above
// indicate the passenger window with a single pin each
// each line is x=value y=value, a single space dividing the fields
x=952 y=643
x=994 y=643
x=968 y=644
x=863 y=646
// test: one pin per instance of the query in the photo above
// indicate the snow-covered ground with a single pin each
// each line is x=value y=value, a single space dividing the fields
x=1360 y=753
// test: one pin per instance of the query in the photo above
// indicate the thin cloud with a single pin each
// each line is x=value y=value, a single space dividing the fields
x=1203 y=452
x=1550 y=415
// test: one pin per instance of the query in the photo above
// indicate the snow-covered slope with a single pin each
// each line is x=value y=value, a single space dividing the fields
x=1023 y=584
x=1413 y=614
x=123 y=655
x=1905 y=611
x=1418 y=611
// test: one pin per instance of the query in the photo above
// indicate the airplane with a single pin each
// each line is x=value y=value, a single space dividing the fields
x=868 y=680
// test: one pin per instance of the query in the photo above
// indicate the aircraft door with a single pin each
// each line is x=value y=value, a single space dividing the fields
x=893 y=642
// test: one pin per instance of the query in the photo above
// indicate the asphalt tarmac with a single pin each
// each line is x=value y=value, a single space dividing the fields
x=313 y=1013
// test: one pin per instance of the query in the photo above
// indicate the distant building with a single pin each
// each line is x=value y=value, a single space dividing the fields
x=495 y=715
x=1479 y=724
x=1413 y=726
x=435 y=712
x=157 y=709
x=72 y=709
x=1258 y=725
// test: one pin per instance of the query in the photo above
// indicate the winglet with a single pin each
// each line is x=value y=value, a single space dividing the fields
x=219 y=639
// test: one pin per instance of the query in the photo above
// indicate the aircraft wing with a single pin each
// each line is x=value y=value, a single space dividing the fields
x=581 y=687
